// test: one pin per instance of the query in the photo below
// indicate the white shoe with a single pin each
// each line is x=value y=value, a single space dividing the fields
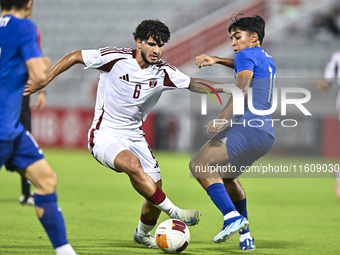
x=149 y=240
x=189 y=217
x=65 y=249
x=26 y=201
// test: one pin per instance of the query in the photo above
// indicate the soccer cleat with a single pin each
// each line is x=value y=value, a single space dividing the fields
x=26 y=200
x=149 y=240
x=230 y=227
x=189 y=217
x=247 y=245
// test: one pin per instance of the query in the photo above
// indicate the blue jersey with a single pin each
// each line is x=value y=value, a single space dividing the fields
x=18 y=43
x=263 y=67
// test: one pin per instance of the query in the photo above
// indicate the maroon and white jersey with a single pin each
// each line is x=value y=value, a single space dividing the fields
x=332 y=69
x=126 y=93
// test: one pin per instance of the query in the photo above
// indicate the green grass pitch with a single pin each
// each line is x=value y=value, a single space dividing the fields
x=101 y=210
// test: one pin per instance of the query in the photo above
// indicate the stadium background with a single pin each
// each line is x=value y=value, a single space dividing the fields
x=101 y=209
x=198 y=26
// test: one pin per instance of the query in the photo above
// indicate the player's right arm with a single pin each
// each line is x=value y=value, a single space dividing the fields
x=38 y=68
x=61 y=66
x=206 y=60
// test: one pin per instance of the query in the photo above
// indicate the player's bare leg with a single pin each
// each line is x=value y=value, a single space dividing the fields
x=128 y=163
x=234 y=189
x=147 y=222
x=44 y=179
x=148 y=209
x=214 y=154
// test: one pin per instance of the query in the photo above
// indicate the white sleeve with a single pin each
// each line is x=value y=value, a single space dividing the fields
x=99 y=59
x=331 y=68
x=92 y=58
x=176 y=79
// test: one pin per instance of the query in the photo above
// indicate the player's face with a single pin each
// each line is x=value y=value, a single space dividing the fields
x=151 y=51
x=240 y=40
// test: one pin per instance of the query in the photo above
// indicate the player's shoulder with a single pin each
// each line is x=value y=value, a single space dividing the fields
x=20 y=25
x=245 y=53
x=123 y=52
x=26 y=28
x=162 y=64
x=26 y=24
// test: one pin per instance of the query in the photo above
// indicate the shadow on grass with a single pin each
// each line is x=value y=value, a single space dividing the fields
x=262 y=247
x=9 y=200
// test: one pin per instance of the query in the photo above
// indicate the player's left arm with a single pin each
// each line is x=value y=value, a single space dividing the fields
x=199 y=85
x=243 y=82
x=206 y=60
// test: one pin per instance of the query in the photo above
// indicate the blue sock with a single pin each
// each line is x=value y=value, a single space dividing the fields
x=52 y=220
x=241 y=207
x=220 y=197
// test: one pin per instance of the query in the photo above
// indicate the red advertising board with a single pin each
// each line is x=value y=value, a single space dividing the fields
x=331 y=137
x=68 y=127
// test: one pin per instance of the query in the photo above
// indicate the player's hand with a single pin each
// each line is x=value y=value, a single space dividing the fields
x=40 y=103
x=322 y=85
x=214 y=127
x=204 y=60
x=32 y=87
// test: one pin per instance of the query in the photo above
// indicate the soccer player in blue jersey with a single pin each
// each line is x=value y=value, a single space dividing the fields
x=240 y=144
x=20 y=59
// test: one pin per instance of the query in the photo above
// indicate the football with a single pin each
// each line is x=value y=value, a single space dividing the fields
x=172 y=236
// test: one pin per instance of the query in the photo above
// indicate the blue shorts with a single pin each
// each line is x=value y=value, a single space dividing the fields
x=19 y=153
x=245 y=144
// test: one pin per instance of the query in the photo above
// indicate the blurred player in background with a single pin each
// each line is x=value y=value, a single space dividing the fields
x=26 y=198
x=20 y=58
x=239 y=145
x=330 y=74
x=131 y=83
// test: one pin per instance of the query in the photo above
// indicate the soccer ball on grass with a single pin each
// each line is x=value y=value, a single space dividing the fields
x=172 y=236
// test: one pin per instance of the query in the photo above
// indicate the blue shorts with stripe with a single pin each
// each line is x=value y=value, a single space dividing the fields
x=19 y=153
x=245 y=144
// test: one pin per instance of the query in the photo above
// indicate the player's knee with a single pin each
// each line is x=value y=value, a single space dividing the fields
x=133 y=168
x=192 y=165
x=48 y=182
x=196 y=163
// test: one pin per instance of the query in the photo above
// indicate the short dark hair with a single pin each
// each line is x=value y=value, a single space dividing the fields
x=10 y=4
x=254 y=24
x=152 y=28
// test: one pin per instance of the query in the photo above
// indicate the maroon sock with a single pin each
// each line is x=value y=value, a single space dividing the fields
x=158 y=197
x=146 y=221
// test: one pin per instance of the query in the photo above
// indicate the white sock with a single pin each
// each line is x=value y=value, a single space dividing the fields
x=230 y=215
x=143 y=229
x=65 y=249
x=168 y=207
x=245 y=236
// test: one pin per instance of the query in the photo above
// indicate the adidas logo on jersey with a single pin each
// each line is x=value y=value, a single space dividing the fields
x=125 y=77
